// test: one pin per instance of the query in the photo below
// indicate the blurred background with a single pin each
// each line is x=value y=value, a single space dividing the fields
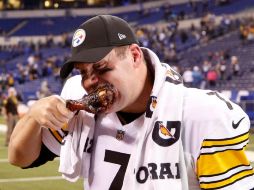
x=209 y=42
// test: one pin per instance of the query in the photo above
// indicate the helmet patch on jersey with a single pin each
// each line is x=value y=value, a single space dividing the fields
x=151 y=105
x=166 y=135
x=173 y=77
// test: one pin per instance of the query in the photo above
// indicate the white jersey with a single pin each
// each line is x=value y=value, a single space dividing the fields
x=114 y=144
x=214 y=133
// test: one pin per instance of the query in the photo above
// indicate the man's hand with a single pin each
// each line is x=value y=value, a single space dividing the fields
x=50 y=112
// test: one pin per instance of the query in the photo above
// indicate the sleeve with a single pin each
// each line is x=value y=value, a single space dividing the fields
x=45 y=156
x=221 y=131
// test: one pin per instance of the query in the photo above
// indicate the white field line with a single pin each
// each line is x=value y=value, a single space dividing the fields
x=30 y=179
x=3 y=128
x=3 y=160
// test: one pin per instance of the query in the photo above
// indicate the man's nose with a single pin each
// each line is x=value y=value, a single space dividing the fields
x=91 y=83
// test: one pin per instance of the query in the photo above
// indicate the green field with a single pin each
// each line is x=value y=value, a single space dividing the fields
x=9 y=175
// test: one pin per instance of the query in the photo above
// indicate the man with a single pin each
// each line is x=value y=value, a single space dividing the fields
x=157 y=134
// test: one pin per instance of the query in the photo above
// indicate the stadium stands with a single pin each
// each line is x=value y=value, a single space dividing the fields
x=56 y=25
x=157 y=29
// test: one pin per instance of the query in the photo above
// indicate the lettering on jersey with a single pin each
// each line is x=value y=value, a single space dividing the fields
x=229 y=105
x=158 y=171
x=173 y=77
x=166 y=135
x=151 y=106
x=88 y=145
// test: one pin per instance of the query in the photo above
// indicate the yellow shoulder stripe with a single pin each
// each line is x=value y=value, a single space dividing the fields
x=220 y=162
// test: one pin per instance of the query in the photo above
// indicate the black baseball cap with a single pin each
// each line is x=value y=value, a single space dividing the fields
x=95 y=38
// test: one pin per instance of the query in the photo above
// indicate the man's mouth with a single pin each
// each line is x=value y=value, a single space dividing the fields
x=100 y=100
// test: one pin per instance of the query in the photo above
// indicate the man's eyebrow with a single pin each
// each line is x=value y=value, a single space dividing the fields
x=100 y=64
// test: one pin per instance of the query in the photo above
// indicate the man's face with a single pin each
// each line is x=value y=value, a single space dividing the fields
x=119 y=71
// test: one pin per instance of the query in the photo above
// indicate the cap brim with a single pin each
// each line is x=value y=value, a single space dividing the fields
x=86 y=56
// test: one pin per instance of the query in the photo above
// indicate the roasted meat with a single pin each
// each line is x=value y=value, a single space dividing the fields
x=97 y=101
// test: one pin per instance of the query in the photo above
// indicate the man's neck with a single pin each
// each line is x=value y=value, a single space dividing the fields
x=126 y=118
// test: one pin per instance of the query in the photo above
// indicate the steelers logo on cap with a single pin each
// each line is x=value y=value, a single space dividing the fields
x=78 y=37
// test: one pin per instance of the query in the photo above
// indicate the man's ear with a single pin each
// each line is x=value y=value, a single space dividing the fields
x=136 y=54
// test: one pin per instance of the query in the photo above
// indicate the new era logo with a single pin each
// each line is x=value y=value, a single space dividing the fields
x=121 y=36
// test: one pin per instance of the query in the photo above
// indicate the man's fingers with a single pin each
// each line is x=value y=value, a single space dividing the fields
x=61 y=107
x=49 y=123
x=59 y=118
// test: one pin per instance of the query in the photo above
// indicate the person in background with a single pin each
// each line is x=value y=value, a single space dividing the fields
x=188 y=77
x=235 y=66
x=44 y=91
x=198 y=78
x=10 y=112
x=211 y=78
x=157 y=134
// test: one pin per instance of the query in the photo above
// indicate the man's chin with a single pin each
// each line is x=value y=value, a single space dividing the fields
x=110 y=110
x=113 y=108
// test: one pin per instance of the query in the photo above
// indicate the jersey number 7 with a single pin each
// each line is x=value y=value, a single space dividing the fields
x=117 y=158
x=218 y=96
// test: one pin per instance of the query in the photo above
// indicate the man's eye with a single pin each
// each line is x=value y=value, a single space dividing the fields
x=84 y=76
x=103 y=70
